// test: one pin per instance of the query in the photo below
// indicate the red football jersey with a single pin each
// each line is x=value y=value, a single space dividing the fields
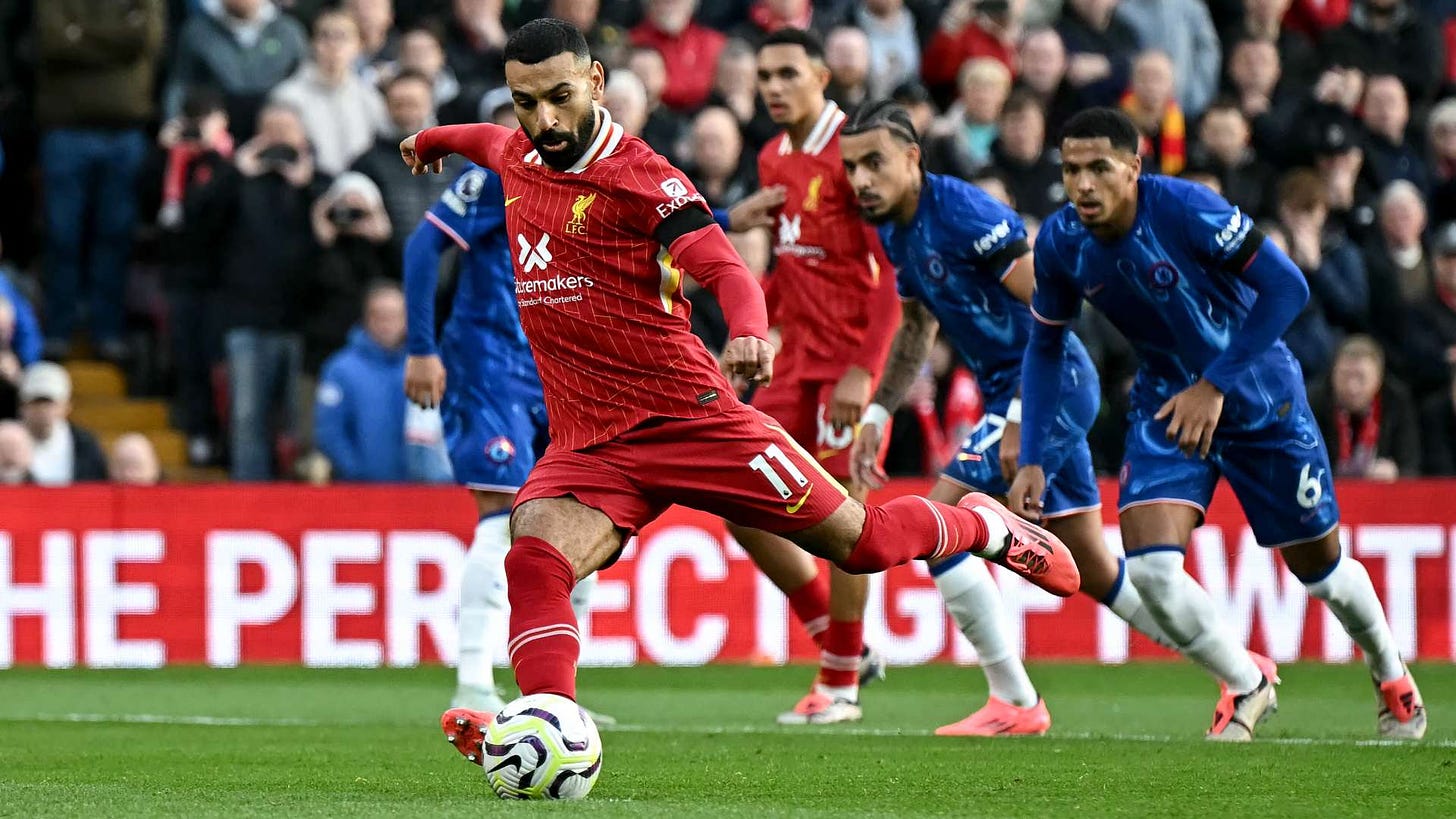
x=599 y=296
x=832 y=291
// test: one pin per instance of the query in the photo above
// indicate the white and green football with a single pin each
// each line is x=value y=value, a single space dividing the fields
x=542 y=746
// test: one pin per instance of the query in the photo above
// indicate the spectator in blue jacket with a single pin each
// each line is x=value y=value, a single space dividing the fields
x=359 y=409
x=25 y=338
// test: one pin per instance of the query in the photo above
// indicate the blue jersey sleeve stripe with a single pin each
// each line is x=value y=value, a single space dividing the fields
x=447 y=230
x=1049 y=321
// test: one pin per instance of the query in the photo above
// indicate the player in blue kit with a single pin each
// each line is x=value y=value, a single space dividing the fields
x=962 y=262
x=483 y=379
x=1204 y=299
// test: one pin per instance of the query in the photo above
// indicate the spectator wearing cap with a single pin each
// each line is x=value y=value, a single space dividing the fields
x=1030 y=168
x=961 y=140
x=1389 y=37
x=243 y=48
x=1224 y=148
x=1101 y=48
x=17 y=453
x=847 y=55
x=1043 y=61
x=1442 y=139
x=341 y=113
x=1339 y=291
x=1438 y=431
x=95 y=68
x=359 y=408
x=1183 y=30
x=1339 y=158
x=133 y=461
x=894 y=43
x=1431 y=331
x=689 y=51
x=970 y=29
x=1385 y=114
x=408 y=98
x=64 y=453
x=1263 y=20
x=1367 y=417
x=356 y=247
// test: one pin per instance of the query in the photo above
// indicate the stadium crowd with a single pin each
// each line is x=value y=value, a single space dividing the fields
x=209 y=192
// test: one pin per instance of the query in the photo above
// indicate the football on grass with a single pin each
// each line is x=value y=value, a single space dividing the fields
x=542 y=746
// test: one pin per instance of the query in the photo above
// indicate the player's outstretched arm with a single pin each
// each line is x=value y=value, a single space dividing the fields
x=908 y=351
x=481 y=143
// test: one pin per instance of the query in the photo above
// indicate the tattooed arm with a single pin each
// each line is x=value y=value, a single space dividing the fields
x=908 y=351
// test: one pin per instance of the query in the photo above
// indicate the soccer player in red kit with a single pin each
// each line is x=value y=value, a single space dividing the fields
x=640 y=415
x=832 y=297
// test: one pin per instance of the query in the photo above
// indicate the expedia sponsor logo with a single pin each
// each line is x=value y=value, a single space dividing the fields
x=677 y=196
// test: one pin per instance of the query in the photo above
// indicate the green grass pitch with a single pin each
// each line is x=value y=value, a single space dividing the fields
x=283 y=742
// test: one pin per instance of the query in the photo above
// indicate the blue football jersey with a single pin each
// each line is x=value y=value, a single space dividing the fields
x=471 y=213
x=1174 y=286
x=952 y=257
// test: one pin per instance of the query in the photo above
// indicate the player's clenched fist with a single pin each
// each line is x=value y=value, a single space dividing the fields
x=416 y=165
x=424 y=380
x=750 y=358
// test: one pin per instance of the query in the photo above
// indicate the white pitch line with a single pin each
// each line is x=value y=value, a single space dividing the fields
x=709 y=730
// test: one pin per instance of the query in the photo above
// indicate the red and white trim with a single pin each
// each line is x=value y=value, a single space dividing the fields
x=541 y=633
x=838 y=662
x=447 y=230
x=824 y=130
x=817 y=626
x=1044 y=320
x=942 y=545
x=609 y=136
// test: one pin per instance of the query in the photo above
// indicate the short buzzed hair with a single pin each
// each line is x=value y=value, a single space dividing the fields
x=807 y=40
x=540 y=40
x=1103 y=123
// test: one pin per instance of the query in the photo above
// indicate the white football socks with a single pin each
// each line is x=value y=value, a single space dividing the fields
x=972 y=598
x=1188 y=617
x=1349 y=594
x=1126 y=603
x=483 y=603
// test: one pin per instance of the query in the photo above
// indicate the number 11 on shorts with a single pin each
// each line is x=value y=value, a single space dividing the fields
x=760 y=464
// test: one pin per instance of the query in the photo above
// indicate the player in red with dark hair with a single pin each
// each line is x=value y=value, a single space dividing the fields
x=640 y=415
x=832 y=297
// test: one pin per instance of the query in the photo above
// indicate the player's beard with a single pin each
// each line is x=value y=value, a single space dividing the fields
x=576 y=143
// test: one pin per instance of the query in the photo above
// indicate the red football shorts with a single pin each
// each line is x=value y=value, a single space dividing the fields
x=802 y=408
x=738 y=465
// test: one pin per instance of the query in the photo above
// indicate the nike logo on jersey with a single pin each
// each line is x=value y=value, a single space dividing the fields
x=511 y=199
x=794 y=508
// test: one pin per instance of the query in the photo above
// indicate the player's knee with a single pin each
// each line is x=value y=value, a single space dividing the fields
x=1155 y=574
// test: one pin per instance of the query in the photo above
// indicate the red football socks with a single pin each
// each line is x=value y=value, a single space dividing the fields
x=810 y=603
x=839 y=659
x=544 y=642
x=910 y=528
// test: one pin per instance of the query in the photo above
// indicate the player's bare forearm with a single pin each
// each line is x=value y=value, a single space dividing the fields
x=908 y=351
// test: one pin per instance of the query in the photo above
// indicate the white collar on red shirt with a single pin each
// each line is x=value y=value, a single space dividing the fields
x=609 y=136
x=824 y=130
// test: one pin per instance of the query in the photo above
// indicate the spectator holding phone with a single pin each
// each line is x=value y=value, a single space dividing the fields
x=354 y=237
